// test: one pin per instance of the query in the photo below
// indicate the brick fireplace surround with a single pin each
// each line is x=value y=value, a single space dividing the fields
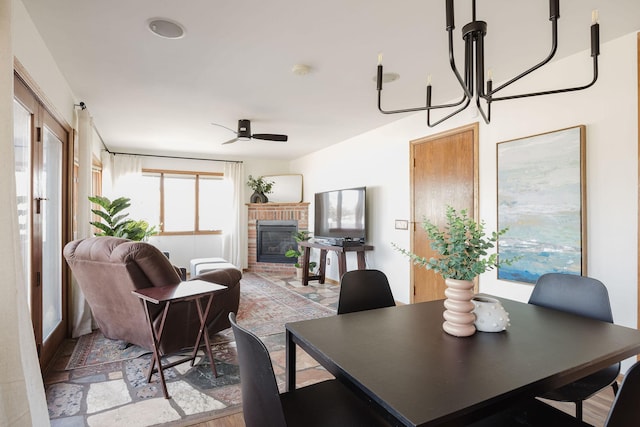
x=273 y=212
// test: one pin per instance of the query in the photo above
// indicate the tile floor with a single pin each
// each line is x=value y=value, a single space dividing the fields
x=118 y=393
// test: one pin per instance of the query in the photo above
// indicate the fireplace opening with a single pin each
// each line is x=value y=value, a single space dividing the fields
x=274 y=239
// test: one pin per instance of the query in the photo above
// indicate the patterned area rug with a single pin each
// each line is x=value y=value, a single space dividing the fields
x=264 y=309
x=108 y=385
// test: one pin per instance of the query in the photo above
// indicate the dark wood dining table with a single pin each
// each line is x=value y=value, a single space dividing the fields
x=401 y=360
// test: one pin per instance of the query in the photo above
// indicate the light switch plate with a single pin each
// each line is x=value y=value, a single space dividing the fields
x=402 y=224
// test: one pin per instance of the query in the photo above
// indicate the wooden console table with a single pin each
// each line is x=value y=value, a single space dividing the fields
x=341 y=251
x=183 y=291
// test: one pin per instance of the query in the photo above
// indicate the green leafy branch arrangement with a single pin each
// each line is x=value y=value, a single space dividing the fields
x=260 y=184
x=462 y=245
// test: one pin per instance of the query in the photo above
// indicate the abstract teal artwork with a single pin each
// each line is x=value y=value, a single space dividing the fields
x=541 y=201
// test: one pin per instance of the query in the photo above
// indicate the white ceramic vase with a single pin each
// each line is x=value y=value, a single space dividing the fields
x=458 y=316
x=490 y=314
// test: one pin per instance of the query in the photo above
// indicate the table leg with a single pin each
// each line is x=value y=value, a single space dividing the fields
x=290 y=363
x=323 y=266
x=156 y=346
x=305 y=265
x=361 y=261
x=342 y=264
x=203 y=331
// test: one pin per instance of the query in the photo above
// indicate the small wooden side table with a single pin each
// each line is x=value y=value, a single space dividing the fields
x=342 y=259
x=193 y=290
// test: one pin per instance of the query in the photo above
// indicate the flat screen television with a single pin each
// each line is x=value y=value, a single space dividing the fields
x=340 y=215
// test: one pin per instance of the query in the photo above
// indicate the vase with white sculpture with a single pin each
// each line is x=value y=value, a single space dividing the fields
x=458 y=316
x=490 y=314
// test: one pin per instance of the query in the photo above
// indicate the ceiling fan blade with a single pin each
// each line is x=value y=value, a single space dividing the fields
x=270 y=137
x=223 y=126
x=231 y=141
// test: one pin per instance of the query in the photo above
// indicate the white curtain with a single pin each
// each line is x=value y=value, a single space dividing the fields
x=234 y=244
x=81 y=313
x=119 y=171
x=22 y=398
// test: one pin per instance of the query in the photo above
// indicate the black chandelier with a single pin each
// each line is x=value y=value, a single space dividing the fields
x=473 y=35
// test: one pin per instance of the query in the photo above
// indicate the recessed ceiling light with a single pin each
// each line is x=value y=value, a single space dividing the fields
x=388 y=77
x=166 y=28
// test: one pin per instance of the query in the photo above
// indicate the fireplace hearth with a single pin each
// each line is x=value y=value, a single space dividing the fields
x=261 y=212
x=274 y=239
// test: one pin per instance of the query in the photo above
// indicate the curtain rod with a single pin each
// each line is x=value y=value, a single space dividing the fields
x=171 y=157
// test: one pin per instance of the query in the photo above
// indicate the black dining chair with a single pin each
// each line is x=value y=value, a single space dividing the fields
x=535 y=413
x=327 y=403
x=624 y=411
x=364 y=290
x=583 y=296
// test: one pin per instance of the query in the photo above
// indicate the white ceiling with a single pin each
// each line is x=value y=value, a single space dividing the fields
x=153 y=95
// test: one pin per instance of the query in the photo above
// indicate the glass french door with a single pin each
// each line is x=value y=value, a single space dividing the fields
x=40 y=146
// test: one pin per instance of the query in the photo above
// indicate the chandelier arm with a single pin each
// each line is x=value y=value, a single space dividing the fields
x=455 y=104
x=448 y=116
x=481 y=111
x=554 y=48
x=452 y=63
x=404 y=110
x=427 y=107
x=416 y=109
x=379 y=88
x=551 y=92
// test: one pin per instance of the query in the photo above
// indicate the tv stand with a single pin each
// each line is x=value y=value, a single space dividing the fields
x=341 y=251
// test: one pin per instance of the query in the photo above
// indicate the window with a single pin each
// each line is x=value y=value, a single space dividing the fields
x=180 y=202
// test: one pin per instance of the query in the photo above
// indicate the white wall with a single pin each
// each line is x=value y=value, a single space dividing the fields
x=30 y=50
x=379 y=159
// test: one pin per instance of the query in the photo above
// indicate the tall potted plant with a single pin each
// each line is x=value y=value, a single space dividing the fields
x=463 y=248
x=115 y=220
x=261 y=187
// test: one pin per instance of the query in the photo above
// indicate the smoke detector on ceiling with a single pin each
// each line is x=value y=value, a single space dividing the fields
x=301 y=69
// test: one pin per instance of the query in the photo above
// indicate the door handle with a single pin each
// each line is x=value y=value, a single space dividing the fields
x=38 y=201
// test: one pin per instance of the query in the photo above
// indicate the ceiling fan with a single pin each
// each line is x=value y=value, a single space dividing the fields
x=244 y=133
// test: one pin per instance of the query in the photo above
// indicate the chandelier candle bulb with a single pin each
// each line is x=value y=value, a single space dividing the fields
x=429 y=80
x=379 y=59
x=594 y=16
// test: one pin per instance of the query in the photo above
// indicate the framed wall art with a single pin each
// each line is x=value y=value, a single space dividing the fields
x=541 y=199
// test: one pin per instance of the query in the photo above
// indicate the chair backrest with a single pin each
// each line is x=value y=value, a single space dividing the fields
x=579 y=295
x=364 y=290
x=624 y=411
x=260 y=395
x=107 y=269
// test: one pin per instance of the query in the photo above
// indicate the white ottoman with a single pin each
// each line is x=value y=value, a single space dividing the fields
x=197 y=265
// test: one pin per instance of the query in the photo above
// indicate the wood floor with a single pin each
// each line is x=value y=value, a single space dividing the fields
x=595 y=412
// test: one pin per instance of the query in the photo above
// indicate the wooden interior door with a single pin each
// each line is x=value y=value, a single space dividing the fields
x=445 y=172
